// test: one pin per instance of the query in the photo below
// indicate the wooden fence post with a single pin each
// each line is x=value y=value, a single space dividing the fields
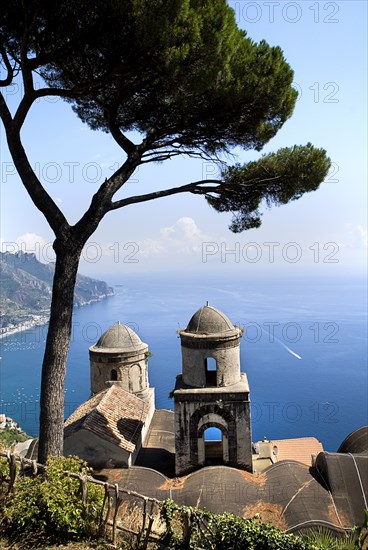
x=12 y=472
x=187 y=528
x=148 y=532
x=118 y=502
x=103 y=522
x=84 y=489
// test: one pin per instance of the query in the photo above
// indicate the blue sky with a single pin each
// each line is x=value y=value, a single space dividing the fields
x=324 y=232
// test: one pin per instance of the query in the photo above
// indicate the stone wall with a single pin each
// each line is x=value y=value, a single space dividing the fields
x=130 y=369
x=196 y=410
x=227 y=365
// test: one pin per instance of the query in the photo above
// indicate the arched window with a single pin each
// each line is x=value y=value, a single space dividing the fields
x=213 y=446
x=211 y=375
x=135 y=379
x=113 y=375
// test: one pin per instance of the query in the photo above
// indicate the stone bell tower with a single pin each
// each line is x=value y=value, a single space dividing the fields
x=211 y=392
x=120 y=357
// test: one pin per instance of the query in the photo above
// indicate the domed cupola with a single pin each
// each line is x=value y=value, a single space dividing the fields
x=209 y=320
x=210 y=349
x=119 y=357
x=119 y=338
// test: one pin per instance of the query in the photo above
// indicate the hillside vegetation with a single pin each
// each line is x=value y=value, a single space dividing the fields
x=26 y=289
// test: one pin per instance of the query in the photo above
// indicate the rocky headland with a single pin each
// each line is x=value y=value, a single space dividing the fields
x=26 y=290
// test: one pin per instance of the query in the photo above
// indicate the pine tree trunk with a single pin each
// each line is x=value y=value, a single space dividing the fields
x=56 y=353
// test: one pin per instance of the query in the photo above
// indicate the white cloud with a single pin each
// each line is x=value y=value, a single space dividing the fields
x=167 y=231
x=364 y=235
x=31 y=243
x=150 y=247
x=31 y=239
x=183 y=237
x=357 y=236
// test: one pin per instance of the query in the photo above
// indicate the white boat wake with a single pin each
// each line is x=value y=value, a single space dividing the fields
x=282 y=343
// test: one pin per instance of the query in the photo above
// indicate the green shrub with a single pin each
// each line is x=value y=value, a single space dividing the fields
x=10 y=436
x=361 y=533
x=4 y=476
x=324 y=539
x=52 y=502
x=192 y=528
x=21 y=509
x=62 y=497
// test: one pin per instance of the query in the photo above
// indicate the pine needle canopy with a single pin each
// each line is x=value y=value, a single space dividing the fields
x=275 y=179
x=177 y=71
x=182 y=75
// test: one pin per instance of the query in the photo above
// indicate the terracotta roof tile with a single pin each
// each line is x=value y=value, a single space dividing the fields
x=300 y=449
x=113 y=414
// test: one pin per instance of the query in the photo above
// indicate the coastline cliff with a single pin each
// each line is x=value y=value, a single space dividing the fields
x=26 y=291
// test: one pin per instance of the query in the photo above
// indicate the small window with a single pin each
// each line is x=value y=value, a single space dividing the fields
x=210 y=366
x=113 y=375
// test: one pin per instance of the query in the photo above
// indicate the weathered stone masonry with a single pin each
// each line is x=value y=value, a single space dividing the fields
x=211 y=392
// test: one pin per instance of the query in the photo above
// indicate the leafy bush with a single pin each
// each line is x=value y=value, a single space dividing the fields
x=10 y=436
x=4 y=475
x=324 y=539
x=52 y=502
x=192 y=528
x=361 y=533
x=21 y=510
x=63 y=499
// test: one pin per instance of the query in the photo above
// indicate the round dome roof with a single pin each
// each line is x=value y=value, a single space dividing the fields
x=356 y=442
x=119 y=337
x=209 y=320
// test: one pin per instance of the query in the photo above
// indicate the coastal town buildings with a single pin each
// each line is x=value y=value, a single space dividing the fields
x=6 y=422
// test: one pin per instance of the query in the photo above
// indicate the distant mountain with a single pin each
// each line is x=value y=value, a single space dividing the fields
x=26 y=288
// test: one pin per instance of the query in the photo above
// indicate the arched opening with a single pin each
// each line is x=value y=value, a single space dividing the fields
x=135 y=381
x=113 y=375
x=213 y=447
x=211 y=374
x=207 y=417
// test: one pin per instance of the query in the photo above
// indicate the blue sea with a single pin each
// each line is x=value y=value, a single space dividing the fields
x=304 y=349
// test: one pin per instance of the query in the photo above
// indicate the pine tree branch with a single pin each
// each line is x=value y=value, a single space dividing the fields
x=10 y=72
x=5 y=114
x=194 y=187
x=102 y=200
x=123 y=142
x=201 y=187
x=38 y=194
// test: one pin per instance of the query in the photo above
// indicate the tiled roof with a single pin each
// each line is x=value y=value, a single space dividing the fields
x=300 y=449
x=113 y=414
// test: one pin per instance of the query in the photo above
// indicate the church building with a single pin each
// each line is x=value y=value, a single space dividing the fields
x=110 y=429
x=158 y=452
